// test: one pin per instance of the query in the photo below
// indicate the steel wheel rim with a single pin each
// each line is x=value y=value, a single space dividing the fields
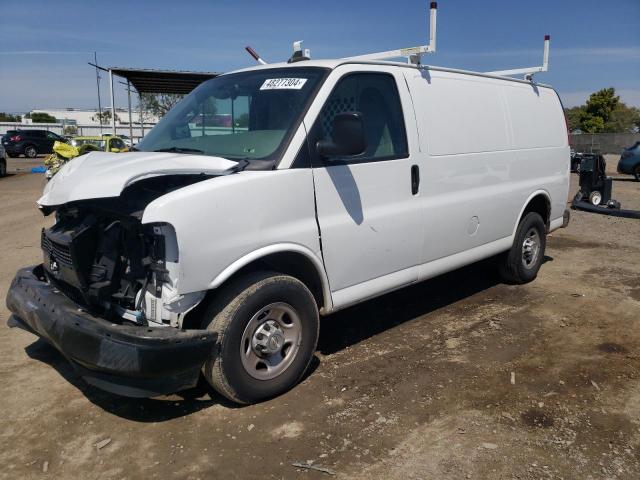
x=30 y=152
x=271 y=341
x=531 y=248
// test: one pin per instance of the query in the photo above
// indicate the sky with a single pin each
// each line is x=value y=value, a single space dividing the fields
x=45 y=45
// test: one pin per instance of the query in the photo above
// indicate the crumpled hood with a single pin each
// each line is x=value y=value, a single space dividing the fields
x=102 y=175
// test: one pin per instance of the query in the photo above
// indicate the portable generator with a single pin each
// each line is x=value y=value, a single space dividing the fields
x=595 y=186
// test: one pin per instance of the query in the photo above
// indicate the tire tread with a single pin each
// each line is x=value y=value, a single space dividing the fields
x=509 y=263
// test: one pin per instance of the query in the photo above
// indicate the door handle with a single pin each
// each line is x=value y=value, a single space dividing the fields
x=415 y=179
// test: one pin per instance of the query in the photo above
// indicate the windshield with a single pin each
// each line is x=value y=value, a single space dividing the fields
x=239 y=116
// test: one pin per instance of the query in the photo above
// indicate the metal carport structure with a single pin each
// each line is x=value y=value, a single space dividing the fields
x=152 y=81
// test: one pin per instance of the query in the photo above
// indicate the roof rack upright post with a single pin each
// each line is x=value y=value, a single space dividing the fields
x=528 y=72
x=413 y=54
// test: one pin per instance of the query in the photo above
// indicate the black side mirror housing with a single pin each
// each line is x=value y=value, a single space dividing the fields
x=347 y=139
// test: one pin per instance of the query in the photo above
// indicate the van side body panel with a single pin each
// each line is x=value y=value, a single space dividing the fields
x=488 y=145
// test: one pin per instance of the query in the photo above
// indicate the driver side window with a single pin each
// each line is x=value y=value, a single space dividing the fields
x=375 y=96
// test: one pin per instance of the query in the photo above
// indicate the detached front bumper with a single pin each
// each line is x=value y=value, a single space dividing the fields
x=128 y=360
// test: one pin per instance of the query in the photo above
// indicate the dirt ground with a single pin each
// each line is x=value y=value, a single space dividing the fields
x=458 y=377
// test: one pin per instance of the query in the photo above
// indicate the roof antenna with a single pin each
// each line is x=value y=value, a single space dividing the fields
x=255 y=55
x=528 y=72
x=413 y=54
x=298 y=53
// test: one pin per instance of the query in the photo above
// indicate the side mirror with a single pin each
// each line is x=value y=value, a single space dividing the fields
x=347 y=139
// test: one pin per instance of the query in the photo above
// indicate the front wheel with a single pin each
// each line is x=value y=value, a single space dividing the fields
x=30 y=151
x=3 y=167
x=267 y=325
x=521 y=263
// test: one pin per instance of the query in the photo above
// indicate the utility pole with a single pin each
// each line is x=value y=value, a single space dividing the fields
x=95 y=60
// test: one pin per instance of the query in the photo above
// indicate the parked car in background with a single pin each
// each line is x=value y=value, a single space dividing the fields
x=30 y=143
x=3 y=162
x=127 y=140
x=7 y=134
x=106 y=143
x=630 y=161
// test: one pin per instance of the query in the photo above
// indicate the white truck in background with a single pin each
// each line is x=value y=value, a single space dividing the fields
x=336 y=181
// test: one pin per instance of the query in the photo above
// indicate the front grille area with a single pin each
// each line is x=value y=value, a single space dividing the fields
x=60 y=252
x=69 y=291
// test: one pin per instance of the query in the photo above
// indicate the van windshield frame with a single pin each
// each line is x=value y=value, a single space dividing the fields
x=245 y=116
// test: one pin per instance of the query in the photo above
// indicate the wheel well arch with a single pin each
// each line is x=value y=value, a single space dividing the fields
x=538 y=202
x=293 y=260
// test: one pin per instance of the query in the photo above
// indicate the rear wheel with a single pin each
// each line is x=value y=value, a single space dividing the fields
x=30 y=151
x=267 y=325
x=636 y=172
x=521 y=263
x=3 y=167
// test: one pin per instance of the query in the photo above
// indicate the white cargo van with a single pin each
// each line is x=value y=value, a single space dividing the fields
x=215 y=246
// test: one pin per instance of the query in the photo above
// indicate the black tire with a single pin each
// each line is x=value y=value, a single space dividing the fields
x=512 y=266
x=30 y=151
x=231 y=312
x=3 y=167
x=636 y=173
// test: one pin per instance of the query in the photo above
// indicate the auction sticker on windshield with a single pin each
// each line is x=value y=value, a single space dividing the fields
x=283 y=84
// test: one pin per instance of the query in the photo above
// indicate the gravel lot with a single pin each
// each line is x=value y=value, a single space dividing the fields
x=457 y=377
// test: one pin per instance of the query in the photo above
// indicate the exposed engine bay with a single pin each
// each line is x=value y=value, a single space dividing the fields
x=102 y=257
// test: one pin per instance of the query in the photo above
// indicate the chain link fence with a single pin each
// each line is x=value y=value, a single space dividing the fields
x=604 y=143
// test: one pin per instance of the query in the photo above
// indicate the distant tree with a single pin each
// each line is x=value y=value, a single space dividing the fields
x=41 y=117
x=603 y=113
x=7 y=117
x=159 y=103
x=598 y=110
x=104 y=118
x=573 y=117
x=623 y=119
x=591 y=124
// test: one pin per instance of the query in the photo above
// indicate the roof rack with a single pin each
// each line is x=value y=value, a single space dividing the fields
x=528 y=72
x=412 y=54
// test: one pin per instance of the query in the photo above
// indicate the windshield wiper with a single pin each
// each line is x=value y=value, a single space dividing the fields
x=241 y=165
x=179 y=150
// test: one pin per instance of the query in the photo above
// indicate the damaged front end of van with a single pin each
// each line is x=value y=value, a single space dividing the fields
x=106 y=293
